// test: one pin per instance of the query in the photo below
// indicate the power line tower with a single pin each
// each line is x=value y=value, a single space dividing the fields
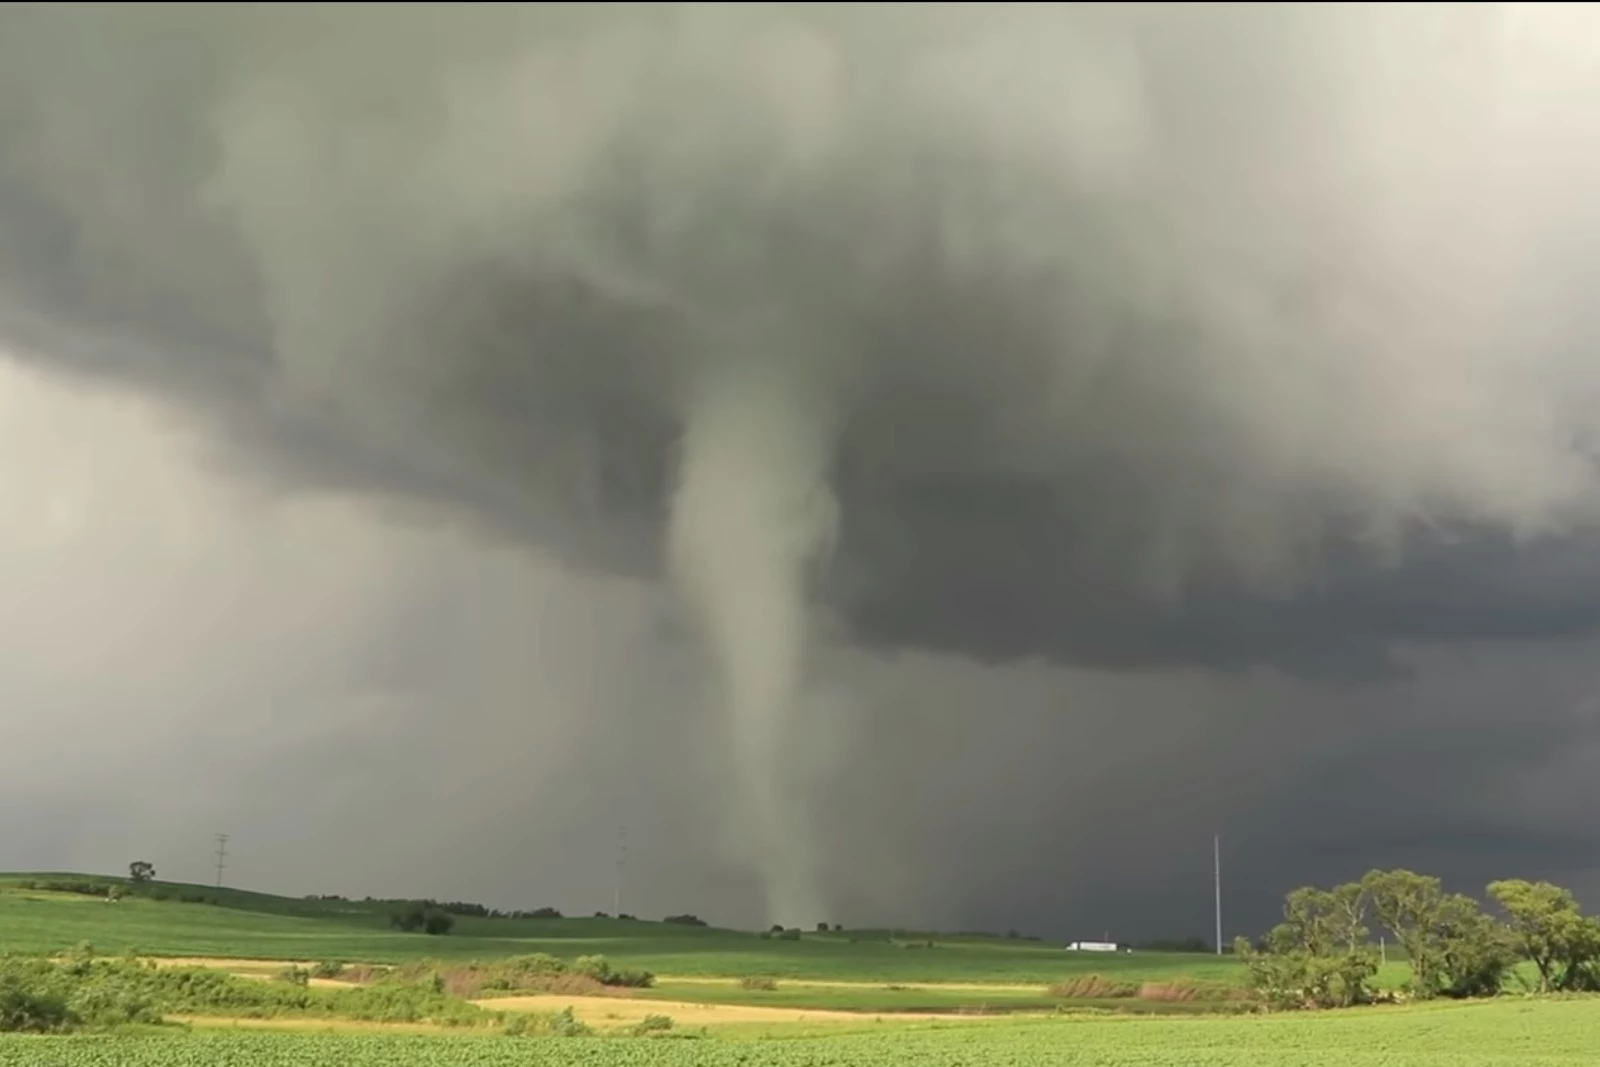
x=222 y=856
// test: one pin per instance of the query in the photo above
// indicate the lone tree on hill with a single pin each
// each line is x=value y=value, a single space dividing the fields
x=139 y=871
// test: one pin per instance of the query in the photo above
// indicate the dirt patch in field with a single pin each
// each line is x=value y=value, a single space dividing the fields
x=623 y=1011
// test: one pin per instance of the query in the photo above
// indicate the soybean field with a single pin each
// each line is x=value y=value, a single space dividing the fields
x=1508 y=1033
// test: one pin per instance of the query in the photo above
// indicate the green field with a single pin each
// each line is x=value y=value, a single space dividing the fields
x=279 y=928
x=1501 y=1034
x=871 y=975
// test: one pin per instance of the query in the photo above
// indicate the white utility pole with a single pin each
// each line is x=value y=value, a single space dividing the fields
x=1216 y=870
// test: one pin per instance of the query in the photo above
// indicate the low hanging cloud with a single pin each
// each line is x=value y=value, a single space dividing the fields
x=1141 y=338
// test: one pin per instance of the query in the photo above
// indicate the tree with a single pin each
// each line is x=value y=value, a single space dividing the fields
x=1407 y=905
x=140 y=871
x=1474 y=951
x=410 y=917
x=1582 y=971
x=1327 y=921
x=1551 y=931
x=1348 y=904
x=1318 y=956
x=1454 y=948
x=415 y=915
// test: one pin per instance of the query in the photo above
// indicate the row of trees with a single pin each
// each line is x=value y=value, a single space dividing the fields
x=422 y=915
x=1322 y=954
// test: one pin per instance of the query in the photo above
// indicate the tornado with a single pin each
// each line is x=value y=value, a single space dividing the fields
x=751 y=515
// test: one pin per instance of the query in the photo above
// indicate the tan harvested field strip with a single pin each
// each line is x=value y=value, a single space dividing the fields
x=624 y=1011
x=607 y=1011
x=232 y=965
x=259 y=970
x=252 y=966
x=268 y=968
x=611 y=1009
x=823 y=983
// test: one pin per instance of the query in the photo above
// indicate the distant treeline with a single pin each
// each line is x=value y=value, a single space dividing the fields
x=465 y=909
x=438 y=917
x=478 y=911
x=1182 y=944
x=1010 y=935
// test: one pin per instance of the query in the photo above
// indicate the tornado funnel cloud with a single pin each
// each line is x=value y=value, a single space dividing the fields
x=751 y=512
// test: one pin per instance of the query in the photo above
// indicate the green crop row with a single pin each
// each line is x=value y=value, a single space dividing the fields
x=1507 y=1033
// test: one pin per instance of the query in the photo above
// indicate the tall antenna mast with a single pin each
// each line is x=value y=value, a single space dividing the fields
x=1216 y=871
x=222 y=856
x=622 y=858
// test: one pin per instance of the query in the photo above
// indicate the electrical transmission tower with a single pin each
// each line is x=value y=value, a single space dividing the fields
x=222 y=856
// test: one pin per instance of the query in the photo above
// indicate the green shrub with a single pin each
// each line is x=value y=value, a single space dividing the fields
x=295 y=976
x=599 y=969
x=566 y=1024
x=535 y=963
x=25 y=1010
x=105 y=993
x=107 y=1006
x=652 y=1024
x=44 y=997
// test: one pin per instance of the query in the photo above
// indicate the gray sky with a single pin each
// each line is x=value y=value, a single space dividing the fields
x=940 y=462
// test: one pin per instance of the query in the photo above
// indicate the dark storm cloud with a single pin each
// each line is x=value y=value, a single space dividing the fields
x=1114 y=301
x=1190 y=337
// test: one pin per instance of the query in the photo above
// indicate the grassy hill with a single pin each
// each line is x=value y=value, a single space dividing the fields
x=246 y=925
